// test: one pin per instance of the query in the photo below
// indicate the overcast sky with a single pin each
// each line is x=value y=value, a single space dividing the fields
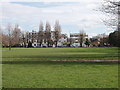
x=73 y=15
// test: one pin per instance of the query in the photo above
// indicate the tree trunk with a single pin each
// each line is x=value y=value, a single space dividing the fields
x=80 y=44
x=40 y=43
x=9 y=48
x=47 y=43
x=56 y=44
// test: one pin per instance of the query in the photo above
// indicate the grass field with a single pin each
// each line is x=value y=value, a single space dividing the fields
x=40 y=54
x=30 y=68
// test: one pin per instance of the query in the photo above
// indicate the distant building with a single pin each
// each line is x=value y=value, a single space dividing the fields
x=94 y=42
x=33 y=38
x=75 y=39
x=62 y=42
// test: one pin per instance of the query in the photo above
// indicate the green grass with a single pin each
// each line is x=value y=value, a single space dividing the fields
x=61 y=53
x=29 y=68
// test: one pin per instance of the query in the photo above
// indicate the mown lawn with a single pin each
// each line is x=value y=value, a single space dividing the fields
x=41 y=54
x=30 y=68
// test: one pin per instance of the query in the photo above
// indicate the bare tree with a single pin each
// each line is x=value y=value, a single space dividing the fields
x=111 y=9
x=48 y=34
x=27 y=37
x=40 y=34
x=57 y=32
x=82 y=36
x=16 y=35
x=5 y=40
x=23 y=39
x=70 y=41
x=10 y=35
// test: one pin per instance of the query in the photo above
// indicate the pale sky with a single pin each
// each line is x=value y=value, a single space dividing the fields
x=73 y=15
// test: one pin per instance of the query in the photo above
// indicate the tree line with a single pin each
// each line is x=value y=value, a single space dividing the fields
x=13 y=36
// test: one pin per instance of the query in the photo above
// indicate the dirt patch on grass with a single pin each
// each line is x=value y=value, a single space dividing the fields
x=88 y=60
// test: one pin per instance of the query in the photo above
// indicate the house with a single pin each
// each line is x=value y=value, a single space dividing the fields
x=76 y=39
x=94 y=42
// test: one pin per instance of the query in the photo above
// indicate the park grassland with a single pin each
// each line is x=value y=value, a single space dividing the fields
x=35 y=68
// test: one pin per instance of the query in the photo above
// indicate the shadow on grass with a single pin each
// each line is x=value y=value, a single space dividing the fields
x=62 y=56
x=58 y=62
